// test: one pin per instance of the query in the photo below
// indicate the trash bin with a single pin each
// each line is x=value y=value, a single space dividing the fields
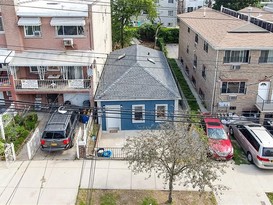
x=107 y=153
x=84 y=118
x=100 y=152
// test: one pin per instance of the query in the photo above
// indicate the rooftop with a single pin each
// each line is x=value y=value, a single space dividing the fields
x=53 y=8
x=137 y=72
x=223 y=31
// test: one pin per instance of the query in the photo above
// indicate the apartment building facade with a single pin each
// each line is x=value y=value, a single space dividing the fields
x=185 y=6
x=166 y=11
x=228 y=61
x=58 y=49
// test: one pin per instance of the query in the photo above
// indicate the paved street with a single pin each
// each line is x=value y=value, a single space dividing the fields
x=57 y=181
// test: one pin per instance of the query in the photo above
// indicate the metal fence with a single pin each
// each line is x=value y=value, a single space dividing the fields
x=109 y=153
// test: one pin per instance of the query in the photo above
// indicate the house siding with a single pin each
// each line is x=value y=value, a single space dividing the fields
x=126 y=113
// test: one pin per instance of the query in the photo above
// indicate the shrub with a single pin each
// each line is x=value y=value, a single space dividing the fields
x=18 y=119
x=147 y=32
x=29 y=125
x=32 y=117
x=108 y=199
x=169 y=35
x=149 y=201
x=11 y=132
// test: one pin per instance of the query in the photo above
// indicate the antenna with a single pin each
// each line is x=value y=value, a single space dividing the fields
x=121 y=56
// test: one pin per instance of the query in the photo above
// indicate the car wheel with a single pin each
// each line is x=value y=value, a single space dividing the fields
x=249 y=157
x=231 y=132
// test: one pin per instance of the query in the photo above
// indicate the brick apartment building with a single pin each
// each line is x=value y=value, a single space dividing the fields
x=228 y=60
x=53 y=51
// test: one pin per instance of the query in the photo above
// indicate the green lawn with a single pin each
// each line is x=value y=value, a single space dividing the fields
x=270 y=196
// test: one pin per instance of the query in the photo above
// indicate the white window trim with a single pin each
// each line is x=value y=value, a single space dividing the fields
x=30 y=68
x=32 y=36
x=133 y=114
x=70 y=36
x=166 y=113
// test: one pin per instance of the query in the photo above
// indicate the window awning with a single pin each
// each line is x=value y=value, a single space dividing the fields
x=24 y=21
x=67 y=22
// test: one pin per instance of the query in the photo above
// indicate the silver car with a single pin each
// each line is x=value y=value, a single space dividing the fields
x=256 y=142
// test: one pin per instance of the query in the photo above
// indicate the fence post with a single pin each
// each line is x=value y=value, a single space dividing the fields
x=13 y=152
x=2 y=127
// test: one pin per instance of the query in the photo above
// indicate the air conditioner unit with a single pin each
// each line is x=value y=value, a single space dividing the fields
x=68 y=42
x=232 y=97
x=235 y=67
x=37 y=33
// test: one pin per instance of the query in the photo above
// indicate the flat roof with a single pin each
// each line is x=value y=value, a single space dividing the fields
x=216 y=28
x=52 y=58
x=53 y=8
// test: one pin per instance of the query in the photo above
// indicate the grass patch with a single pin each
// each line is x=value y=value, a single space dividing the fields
x=270 y=196
x=239 y=156
x=183 y=85
x=138 y=197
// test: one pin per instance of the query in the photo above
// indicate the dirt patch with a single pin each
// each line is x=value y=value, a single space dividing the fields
x=135 y=197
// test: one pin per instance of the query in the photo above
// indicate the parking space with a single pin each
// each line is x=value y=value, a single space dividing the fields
x=69 y=154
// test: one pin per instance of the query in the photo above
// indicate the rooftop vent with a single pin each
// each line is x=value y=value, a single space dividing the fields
x=121 y=56
x=151 y=60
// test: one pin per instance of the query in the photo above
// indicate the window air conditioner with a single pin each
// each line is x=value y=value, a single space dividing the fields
x=68 y=42
x=235 y=67
x=232 y=97
x=37 y=33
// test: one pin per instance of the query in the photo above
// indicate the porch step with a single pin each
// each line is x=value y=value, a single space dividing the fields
x=113 y=130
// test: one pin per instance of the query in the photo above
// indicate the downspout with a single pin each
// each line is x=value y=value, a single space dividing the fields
x=214 y=83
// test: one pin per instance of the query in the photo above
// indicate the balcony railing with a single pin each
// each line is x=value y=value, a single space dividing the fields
x=4 y=82
x=236 y=59
x=52 y=84
x=266 y=60
x=264 y=105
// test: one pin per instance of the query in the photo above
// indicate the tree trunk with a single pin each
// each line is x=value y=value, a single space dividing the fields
x=121 y=33
x=170 y=199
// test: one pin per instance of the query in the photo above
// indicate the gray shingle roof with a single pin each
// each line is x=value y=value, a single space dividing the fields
x=134 y=77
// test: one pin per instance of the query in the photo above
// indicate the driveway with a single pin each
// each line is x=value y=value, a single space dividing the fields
x=172 y=50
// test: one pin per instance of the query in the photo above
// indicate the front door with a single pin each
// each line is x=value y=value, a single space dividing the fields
x=263 y=91
x=113 y=117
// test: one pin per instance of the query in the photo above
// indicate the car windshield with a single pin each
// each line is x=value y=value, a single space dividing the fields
x=53 y=135
x=268 y=152
x=217 y=133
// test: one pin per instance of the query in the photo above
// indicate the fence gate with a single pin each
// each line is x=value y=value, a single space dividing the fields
x=10 y=155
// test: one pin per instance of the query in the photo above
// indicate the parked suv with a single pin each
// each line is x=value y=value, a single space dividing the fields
x=59 y=131
x=219 y=143
x=256 y=141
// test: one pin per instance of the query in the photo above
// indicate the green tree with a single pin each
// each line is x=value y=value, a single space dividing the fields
x=122 y=11
x=235 y=4
x=176 y=152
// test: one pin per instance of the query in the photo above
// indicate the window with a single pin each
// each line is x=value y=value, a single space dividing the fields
x=266 y=56
x=1 y=24
x=170 y=1
x=233 y=87
x=190 y=9
x=170 y=13
x=236 y=56
x=189 y=30
x=33 y=69
x=195 y=61
x=161 y=112
x=187 y=48
x=206 y=46
x=138 y=113
x=70 y=30
x=53 y=68
x=193 y=81
x=187 y=70
x=201 y=94
x=204 y=71
x=232 y=108
x=31 y=31
x=170 y=24
x=196 y=38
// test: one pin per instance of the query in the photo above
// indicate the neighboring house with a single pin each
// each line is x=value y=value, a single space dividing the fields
x=166 y=11
x=136 y=90
x=189 y=5
x=228 y=60
x=59 y=48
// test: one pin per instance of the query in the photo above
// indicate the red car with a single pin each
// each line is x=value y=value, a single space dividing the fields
x=219 y=142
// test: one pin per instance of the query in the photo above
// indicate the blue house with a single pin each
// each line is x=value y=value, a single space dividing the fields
x=137 y=90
